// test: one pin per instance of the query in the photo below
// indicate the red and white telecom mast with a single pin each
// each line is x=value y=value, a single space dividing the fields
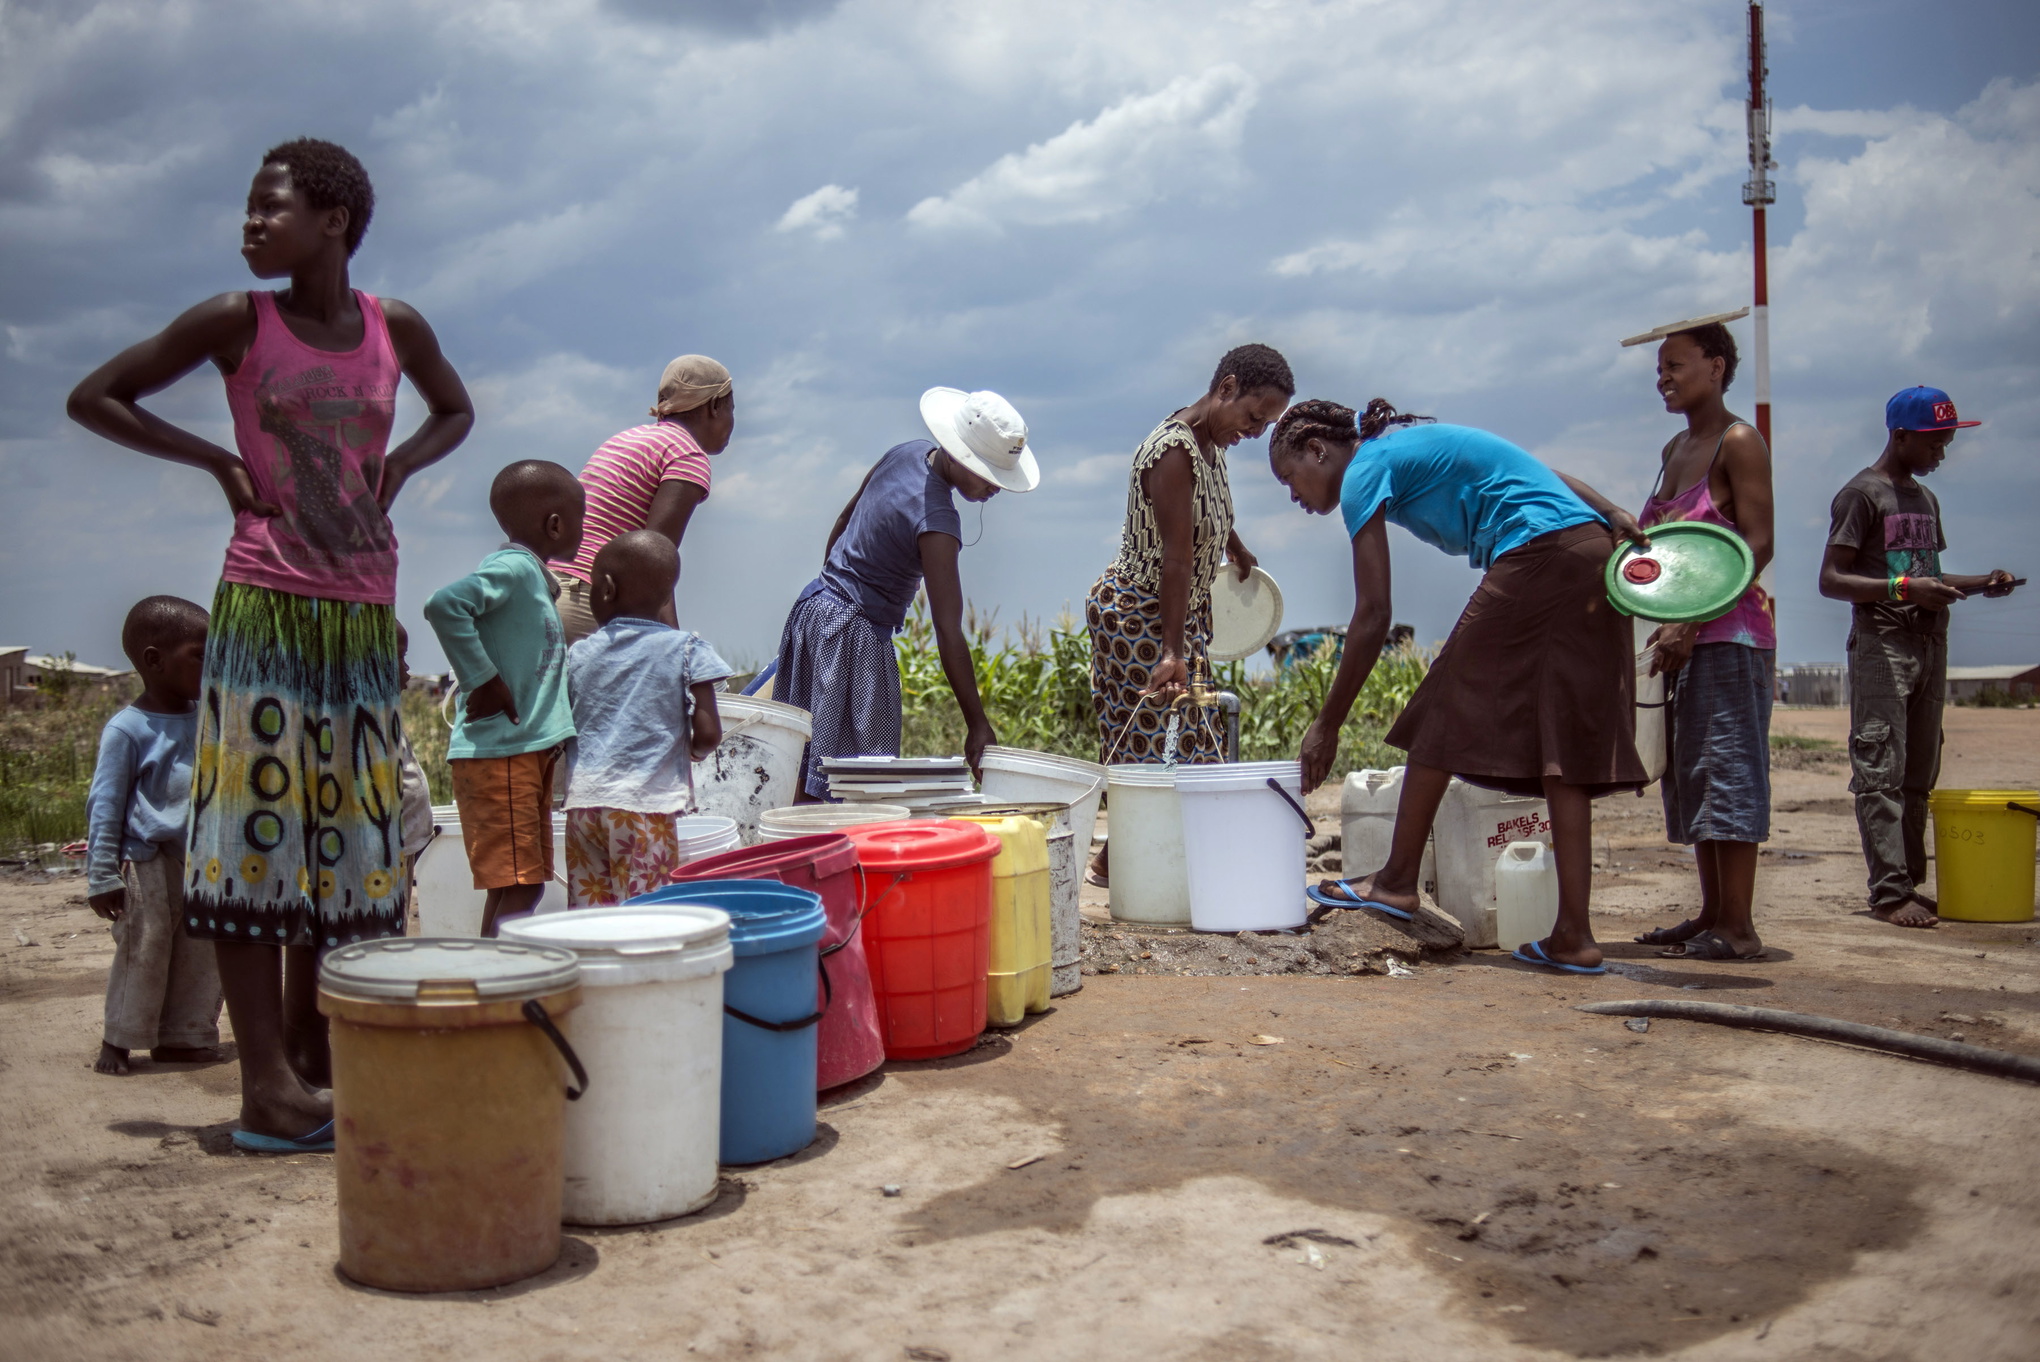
x=1758 y=192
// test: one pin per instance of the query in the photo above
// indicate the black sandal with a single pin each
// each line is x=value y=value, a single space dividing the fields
x=1708 y=946
x=1670 y=936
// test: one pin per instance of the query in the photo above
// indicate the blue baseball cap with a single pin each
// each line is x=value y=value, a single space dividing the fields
x=1922 y=409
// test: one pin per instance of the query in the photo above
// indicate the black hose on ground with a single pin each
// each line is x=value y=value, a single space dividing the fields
x=1929 y=1048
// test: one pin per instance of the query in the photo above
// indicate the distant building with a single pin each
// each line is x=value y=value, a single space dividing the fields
x=21 y=673
x=2019 y=680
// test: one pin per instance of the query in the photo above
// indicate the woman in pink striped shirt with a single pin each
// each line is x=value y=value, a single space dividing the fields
x=651 y=477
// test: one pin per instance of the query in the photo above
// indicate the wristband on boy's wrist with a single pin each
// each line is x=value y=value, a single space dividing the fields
x=1899 y=587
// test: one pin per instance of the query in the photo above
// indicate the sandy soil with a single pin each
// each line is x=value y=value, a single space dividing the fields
x=1453 y=1164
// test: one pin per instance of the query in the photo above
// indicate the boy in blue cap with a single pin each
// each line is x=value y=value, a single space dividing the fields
x=1884 y=555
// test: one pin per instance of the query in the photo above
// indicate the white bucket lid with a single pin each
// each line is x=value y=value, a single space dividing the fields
x=1021 y=761
x=1147 y=775
x=701 y=832
x=749 y=708
x=391 y=970
x=648 y=944
x=655 y=929
x=1225 y=777
x=1244 y=615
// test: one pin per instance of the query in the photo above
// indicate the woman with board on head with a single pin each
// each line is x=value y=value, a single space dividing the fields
x=1717 y=782
x=1532 y=693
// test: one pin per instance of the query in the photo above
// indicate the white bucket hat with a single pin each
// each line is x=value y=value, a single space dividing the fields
x=982 y=432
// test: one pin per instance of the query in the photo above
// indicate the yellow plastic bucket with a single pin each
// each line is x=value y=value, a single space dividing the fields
x=1022 y=958
x=1983 y=853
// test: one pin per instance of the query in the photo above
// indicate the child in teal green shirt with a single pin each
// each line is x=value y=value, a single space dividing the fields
x=502 y=636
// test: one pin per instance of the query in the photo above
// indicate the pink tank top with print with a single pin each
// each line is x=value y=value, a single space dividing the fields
x=312 y=426
x=1752 y=622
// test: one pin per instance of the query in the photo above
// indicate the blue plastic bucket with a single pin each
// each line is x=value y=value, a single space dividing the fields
x=771 y=1005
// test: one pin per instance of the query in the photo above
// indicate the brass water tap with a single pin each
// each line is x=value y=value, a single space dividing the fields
x=1199 y=694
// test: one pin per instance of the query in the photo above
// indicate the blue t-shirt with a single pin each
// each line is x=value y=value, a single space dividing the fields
x=141 y=792
x=876 y=564
x=1460 y=489
x=632 y=715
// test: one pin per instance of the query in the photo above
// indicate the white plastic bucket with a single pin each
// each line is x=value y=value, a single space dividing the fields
x=802 y=820
x=1367 y=809
x=1148 y=880
x=1013 y=775
x=642 y=1141
x=1473 y=827
x=757 y=765
x=1652 y=733
x=705 y=834
x=1243 y=845
x=1526 y=894
x=444 y=885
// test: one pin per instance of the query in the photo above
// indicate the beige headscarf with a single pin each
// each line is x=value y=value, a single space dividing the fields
x=690 y=381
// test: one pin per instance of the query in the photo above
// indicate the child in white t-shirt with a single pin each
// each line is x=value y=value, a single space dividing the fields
x=643 y=694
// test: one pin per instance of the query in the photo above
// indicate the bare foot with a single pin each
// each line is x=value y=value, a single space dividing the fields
x=1370 y=887
x=289 y=1113
x=1907 y=914
x=1923 y=901
x=1572 y=951
x=186 y=1054
x=112 y=1060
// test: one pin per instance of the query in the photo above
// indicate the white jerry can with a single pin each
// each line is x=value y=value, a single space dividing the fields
x=1474 y=827
x=1526 y=894
x=1367 y=805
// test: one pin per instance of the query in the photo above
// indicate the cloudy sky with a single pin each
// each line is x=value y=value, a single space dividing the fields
x=1459 y=205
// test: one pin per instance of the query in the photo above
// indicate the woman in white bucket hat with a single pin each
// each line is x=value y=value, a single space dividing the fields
x=835 y=655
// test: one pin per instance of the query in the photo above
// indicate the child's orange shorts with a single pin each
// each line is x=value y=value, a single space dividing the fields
x=506 y=816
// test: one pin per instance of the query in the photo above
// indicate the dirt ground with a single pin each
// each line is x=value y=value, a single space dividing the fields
x=1450 y=1163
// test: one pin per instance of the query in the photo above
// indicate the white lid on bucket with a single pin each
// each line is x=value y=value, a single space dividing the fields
x=393 y=970
x=654 y=941
x=1148 y=775
x=702 y=833
x=1239 y=775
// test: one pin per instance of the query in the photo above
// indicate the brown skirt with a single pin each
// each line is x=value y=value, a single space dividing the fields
x=1538 y=678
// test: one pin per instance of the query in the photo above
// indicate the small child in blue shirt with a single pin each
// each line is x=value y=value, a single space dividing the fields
x=163 y=993
x=644 y=713
x=502 y=636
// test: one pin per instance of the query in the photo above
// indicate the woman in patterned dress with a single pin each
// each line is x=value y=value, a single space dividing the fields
x=1150 y=612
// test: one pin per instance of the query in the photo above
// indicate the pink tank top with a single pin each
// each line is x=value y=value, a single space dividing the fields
x=312 y=426
x=1751 y=623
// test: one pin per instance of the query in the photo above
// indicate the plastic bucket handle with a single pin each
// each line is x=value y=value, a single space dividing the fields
x=535 y=1013
x=1309 y=828
x=2021 y=808
x=828 y=997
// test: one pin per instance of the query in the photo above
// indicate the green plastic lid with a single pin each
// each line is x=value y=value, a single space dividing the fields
x=1692 y=572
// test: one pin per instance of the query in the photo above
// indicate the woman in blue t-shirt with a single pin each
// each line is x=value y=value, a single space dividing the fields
x=1533 y=693
x=836 y=655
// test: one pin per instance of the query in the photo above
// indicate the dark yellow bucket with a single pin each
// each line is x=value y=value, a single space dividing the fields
x=1983 y=853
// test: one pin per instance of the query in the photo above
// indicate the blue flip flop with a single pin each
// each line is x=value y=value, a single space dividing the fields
x=1532 y=953
x=319 y=1141
x=1320 y=897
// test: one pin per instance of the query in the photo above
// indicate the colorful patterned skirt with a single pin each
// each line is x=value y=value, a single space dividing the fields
x=296 y=836
x=1126 y=642
x=614 y=855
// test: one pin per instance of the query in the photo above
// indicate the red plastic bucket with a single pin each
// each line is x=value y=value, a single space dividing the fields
x=848 y=1044
x=929 y=884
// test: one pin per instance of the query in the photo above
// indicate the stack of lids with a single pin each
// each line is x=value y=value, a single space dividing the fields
x=926 y=785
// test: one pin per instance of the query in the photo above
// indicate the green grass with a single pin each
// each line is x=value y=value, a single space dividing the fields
x=1793 y=742
x=47 y=751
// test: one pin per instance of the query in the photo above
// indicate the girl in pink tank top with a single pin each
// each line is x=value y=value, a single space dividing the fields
x=294 y=841
x=1752 y=623
x=313 y=427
